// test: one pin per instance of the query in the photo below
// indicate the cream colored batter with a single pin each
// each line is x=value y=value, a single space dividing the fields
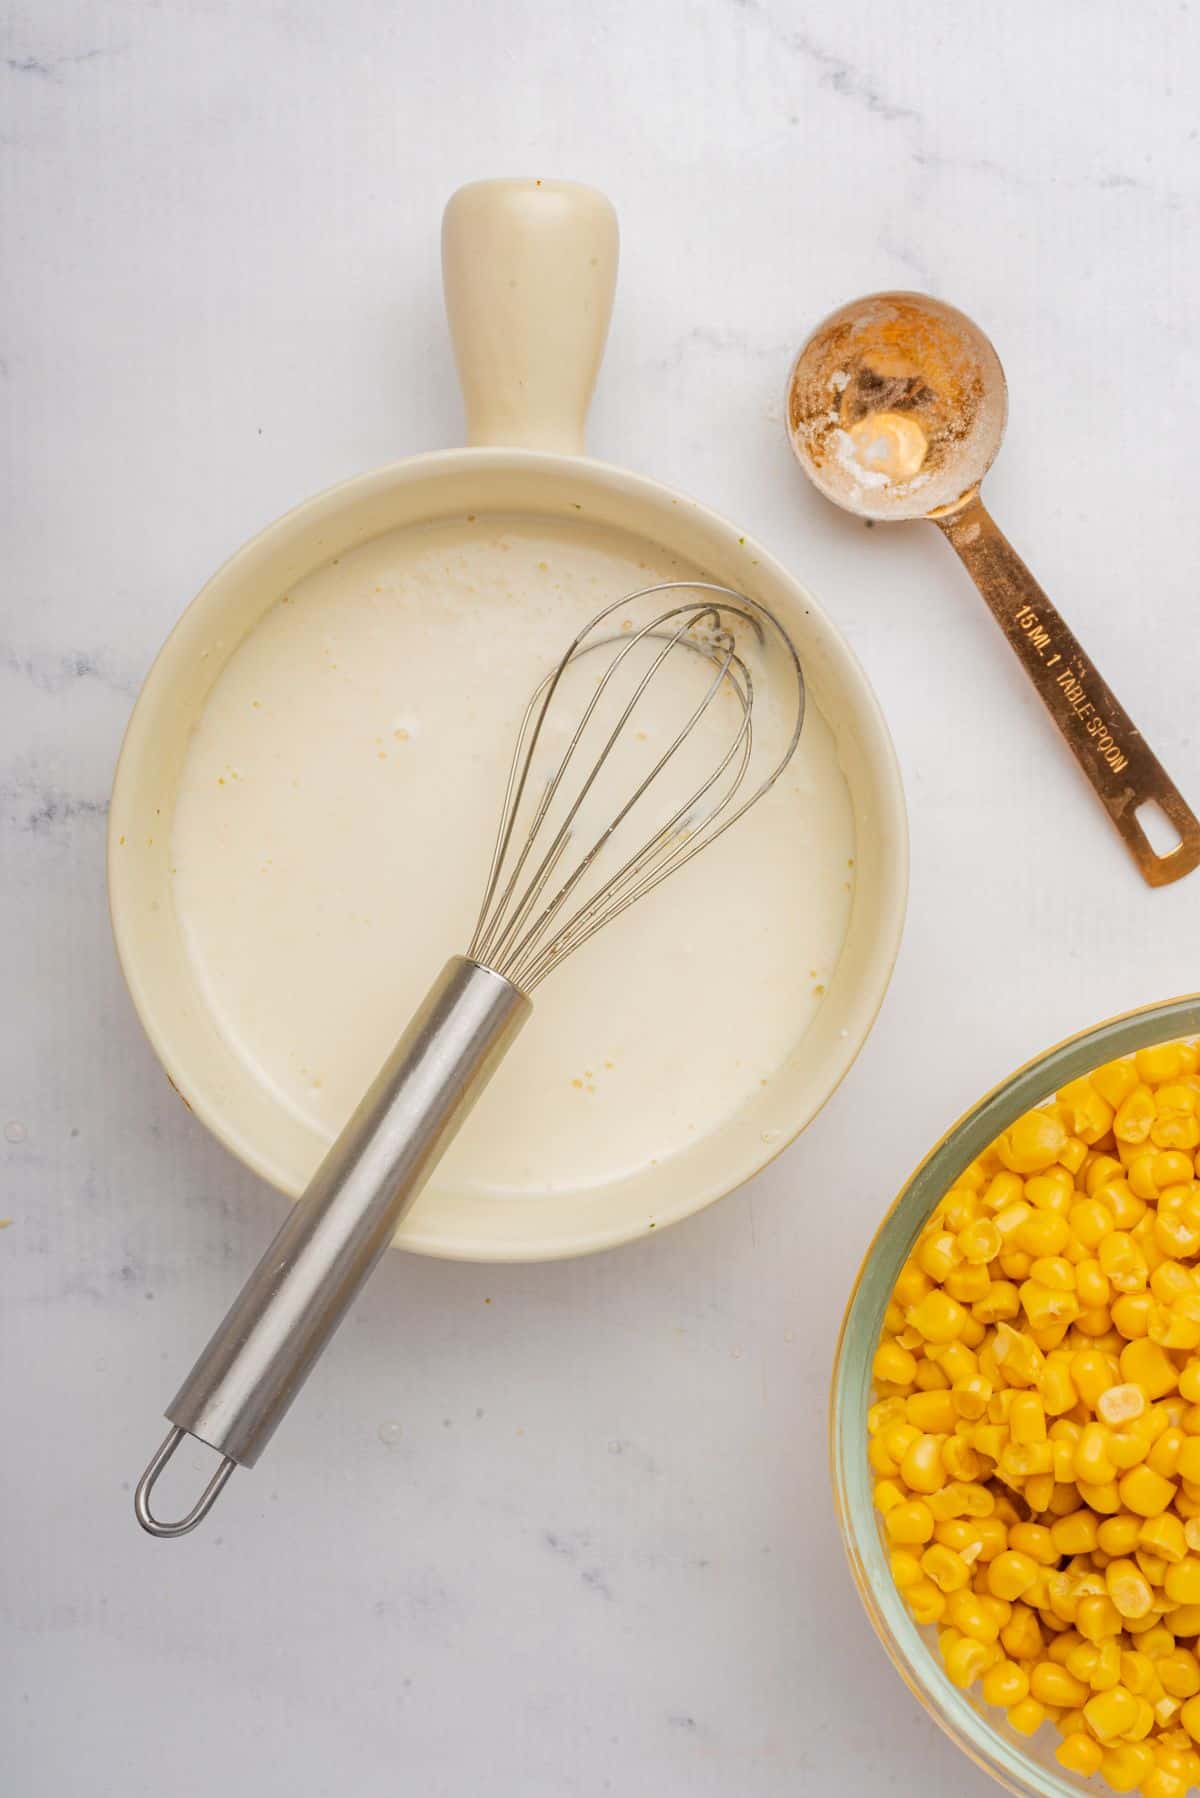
x=334 y=827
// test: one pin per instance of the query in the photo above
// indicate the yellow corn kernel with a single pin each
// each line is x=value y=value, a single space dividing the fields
x=881 y=1462
x=966 y=1284
x=1131 y=1314
x=937 y=1254
x=979 y=1242
x=1123 y=1203
x=1122 y=1262
x=1054 y=1271
x=906 y=1568
x=970 y=1396
x=1092 y=1286
x=1089 y=1222
x=1097 y=1618
x=1110 y=1714
x=1047 y=1308
x=1171 y=1280
x=1116 y=1406
x=1176 y=1125
x=1179 y=1673
x=1189 y=1382
x=957 y=1210
x=1126 y=1765
x=1096 y=1324
x=926 y=1602
x=938 y=1317
x=1019 y=1359
x=1119 y=1535
x=912 y=1284
x=1064 y=1498
x=1189 y=1716
x=948 y=1502
x=947 y=1570
x=1021 y=1637
x=1019 y=1460
x=909 y=1523
x=1177 y=1326
x=1137 y=1672
x=1114 y=1081
x=1129 y=1589
x=1163 y=1457
x=1075 y=1534
x=957 y=1361
x=1032 y=1144
x=1064 y=1462
x=1002 y=1189
x=1182 y=1583
x=1002 y=1300
x=894 y=1364
x=1079 y=1753
x=1160 y=1783
x=960 y=1460
x=968 y=1614
x=1057 y=1388
x=1184 y=1620
x=998 y=1609
x=965 y=1660
x=922 y=1470
x=1026 y=1717
x=1091 y=1460
x=989 y=1439
x=1134 y=1116
x=1009 y=1219
x=884 y=1413
x=1165 y=1536
x=958 y=1533
x=1026 y=1418
x=1188 y=1462
x=1042 y=1234
x=931 y=1412
x=1011 y=1574
x=1107 y=1671
x=1005 y=1684
x=1036 y=1541
x=1157 y=1641
x=1105 y=1498
x=898 y=1438
x=1101 y=1168
x=1073 y=1154
x=1160 y=1062
x=887 y=1494
x=1091 y=1374
x=1145 y=1492
x=930 y=1377
x=1039 y=1490
x=1147 y=1365
x=1051 y=1684
x=1084 y=1110
x=1081 y=1658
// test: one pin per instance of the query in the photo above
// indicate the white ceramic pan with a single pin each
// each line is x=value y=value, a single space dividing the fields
x=529 y=274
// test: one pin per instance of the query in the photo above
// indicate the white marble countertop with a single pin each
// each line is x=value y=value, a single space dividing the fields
x=598 y=1554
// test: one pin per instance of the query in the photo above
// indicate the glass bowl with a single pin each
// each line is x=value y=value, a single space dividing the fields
x=1023 y=1764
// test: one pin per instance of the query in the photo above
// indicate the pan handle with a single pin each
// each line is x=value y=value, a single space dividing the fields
x=529 y=269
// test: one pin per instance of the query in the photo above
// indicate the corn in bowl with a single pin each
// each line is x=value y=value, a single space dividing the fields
x=1032 y=1427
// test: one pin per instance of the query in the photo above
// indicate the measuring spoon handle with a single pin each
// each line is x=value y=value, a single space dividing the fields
x=1101 y=735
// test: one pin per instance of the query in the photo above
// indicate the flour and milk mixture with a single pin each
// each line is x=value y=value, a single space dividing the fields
x=335 y=824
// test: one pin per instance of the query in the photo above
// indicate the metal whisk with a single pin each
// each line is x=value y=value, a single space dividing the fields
x=658 y=713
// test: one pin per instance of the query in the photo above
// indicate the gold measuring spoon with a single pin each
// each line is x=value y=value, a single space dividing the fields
x=896 y=408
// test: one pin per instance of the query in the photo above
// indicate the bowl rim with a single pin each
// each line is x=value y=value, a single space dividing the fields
x=906 y=1647
x=889 y=826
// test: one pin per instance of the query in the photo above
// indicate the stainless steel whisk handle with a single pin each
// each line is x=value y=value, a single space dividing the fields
x=285 y=1314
